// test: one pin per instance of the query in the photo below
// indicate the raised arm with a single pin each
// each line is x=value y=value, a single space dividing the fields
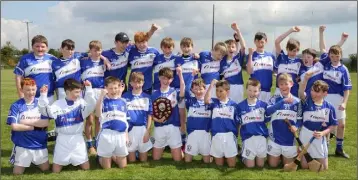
x=239 y=36
x=303 y=84
x=44 y=107
x=99 y=103
x=280 y=38
x=152 y=30
x=207 y=97
x=90 y=101
x=181 y=80
x=249 y=67
x=322 y=43
x=18 y=79
x=344 y=37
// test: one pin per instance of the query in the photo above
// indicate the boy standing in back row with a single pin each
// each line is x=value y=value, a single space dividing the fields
x=260 y=66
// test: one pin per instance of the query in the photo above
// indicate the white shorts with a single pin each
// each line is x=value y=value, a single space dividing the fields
x=236 y=92
x=70 y=149
x=276 y=150
x=265 y=96
x=112 y=143
x=24 y=157
x=199 y=142
x=167 y=135
x=136 y=140
x=336 y=100
x=255 y=146
x=213 y=90
x=224 y=145
x=318 y=148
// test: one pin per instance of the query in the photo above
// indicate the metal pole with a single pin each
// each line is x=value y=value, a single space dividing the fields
x=28 y=34
x=312 y=32
x=212 y=29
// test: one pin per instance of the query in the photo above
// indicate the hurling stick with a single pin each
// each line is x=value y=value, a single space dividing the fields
x=313 y=164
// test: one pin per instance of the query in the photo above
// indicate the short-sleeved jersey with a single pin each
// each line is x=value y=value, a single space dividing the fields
x=114 y=114
x=188 y=65
x=318 y=117
x=224 y=117
x=64 y=69
x=209 y=68
x=198 y=114
x=34 y=139
x=119 y=63
x=93 y=71
x=284 y=64
x=173 y=95
x=161 y=62
x=337 y=77
x=252 y=118
x=278 y=110
x=143 y=62
x=231 y=69
x=262 y=65
x=39 y=69
x=139 y=107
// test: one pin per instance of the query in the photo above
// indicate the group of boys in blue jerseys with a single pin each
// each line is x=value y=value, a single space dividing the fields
x=206 y=91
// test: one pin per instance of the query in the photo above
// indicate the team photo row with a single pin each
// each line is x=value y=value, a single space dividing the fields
x=120 y=104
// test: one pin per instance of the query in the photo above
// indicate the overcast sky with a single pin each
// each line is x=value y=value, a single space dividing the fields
x=85 y=21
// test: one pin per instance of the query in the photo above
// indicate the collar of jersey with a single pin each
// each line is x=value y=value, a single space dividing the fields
x=69 y=102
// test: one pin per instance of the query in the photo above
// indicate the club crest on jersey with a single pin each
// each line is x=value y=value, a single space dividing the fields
x=261 y=111
x=287 y=106
x=326 y=112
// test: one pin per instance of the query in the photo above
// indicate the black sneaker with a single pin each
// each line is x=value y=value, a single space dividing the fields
x=341 y=153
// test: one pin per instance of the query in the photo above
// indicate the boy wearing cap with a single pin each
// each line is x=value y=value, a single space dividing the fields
x=118 y=56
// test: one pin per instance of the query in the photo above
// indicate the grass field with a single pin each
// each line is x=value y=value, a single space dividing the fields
x=339 y=168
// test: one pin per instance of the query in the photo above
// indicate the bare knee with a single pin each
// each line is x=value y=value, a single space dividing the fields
x=341 y=125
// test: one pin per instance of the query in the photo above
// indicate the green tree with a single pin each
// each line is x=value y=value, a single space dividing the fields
x=353 y=64
x=54 y=52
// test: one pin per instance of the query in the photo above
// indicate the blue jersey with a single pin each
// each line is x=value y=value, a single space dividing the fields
x=39 y=69
x=224 y=117
x=284 y=64
x=119 y=63
x=199 y=115
x=159 y=63
x=231 y=69
x=252 y=118
x=143 y=62
x=93 y=71
x=173 y=95
x=188 y=65
x=114 y=114
x=337 y=77
x=19 y=110
x=318 y=117
x=139 y=108
x=262 y=65
x=209 y=68
x=278 y=110
x=64 y=69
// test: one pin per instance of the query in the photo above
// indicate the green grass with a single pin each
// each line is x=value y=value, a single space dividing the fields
x=339 y=168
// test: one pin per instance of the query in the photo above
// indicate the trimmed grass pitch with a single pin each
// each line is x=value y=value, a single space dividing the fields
x=166 y=168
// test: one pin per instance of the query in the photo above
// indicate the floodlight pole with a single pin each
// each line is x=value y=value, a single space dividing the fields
x=28 y=33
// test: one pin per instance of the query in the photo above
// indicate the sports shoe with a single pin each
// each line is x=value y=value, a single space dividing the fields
x=341 y=153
